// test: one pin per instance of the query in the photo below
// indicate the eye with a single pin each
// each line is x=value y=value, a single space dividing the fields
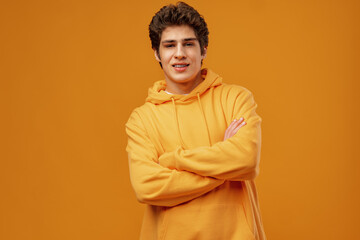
x=169 y=45
x=189 y=44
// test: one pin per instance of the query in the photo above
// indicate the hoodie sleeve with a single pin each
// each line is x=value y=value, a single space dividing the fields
x=153 y=183
x=236 y=158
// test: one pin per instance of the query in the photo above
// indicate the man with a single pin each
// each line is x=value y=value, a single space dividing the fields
x=194 y=146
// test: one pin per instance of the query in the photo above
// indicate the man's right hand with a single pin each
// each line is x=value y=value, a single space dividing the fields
x=234 y=127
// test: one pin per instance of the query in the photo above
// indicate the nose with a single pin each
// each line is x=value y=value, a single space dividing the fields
x=180 y=53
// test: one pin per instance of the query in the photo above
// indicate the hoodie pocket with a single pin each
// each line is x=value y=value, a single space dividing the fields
x=216 y=222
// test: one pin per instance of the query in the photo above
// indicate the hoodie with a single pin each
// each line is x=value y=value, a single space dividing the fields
x=196 y=185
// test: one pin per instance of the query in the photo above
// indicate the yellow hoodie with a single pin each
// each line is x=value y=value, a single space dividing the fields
x=196 y=186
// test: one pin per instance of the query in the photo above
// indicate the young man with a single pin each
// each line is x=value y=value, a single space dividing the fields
x=194 y=146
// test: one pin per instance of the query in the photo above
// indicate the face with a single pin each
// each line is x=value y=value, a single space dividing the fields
x=180 y=55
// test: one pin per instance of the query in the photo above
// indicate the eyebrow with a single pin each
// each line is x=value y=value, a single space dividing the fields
x=184 y=40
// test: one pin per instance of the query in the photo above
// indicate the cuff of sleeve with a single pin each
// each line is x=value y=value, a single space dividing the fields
x=168 y=159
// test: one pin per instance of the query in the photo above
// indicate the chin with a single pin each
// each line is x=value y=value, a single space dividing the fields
x=184 y=76
x=183 y=79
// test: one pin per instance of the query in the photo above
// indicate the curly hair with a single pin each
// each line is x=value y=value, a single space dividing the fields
x=179 y=14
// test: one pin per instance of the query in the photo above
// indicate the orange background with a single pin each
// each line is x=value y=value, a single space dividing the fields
x=72 y=71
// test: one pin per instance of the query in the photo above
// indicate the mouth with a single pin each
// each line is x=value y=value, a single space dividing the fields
x=180 y=67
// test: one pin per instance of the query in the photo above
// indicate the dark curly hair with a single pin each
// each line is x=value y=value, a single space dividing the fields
x=179 y=14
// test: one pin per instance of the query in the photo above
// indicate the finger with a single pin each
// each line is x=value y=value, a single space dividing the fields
x=237 y=129
x=229 y=129
x=237 y=123
x=226 y=136
x=232 y=123
x=241 y=120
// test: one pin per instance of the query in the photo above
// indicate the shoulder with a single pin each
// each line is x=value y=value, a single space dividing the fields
x=239 y=102
x=233 y=91
x=138 y=113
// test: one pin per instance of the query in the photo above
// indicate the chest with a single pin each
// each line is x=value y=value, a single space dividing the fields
x=189 y=125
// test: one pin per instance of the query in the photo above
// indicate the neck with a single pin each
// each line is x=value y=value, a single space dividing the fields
x=183 y=88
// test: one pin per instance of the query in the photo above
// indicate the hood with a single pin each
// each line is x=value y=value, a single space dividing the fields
x=157 y=95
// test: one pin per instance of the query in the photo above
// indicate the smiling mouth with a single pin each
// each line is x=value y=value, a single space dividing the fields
x=180 y=65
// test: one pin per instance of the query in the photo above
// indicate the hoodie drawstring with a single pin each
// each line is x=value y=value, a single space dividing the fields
x=177 y=121
x=203 y=114
x=177 y=124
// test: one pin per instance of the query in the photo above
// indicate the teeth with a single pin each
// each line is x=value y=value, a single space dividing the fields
x=177 y=65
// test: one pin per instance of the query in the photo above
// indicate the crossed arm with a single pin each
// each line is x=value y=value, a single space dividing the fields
x=155 y=184
x=182 y=175
x=235 y=159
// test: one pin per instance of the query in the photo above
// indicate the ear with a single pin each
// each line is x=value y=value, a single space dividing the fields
x=204 y=54
x=157 y=57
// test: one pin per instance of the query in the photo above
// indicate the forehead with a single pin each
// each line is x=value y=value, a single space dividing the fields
x=177 y=32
